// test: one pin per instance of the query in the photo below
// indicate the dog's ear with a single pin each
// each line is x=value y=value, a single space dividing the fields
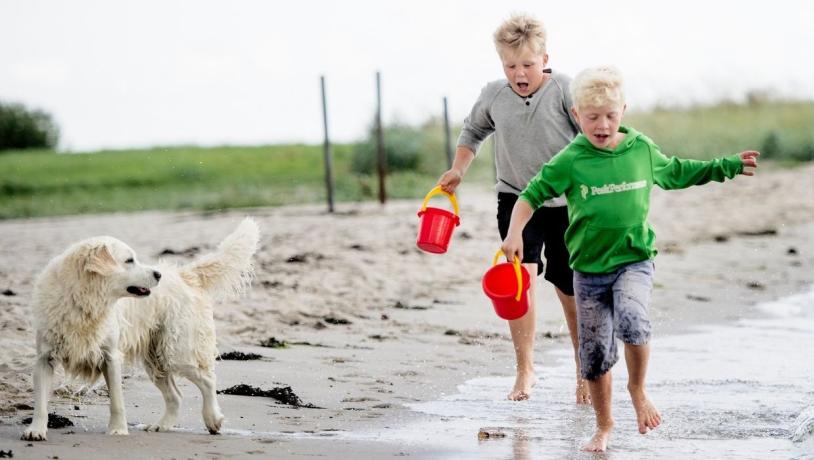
x=100 y=261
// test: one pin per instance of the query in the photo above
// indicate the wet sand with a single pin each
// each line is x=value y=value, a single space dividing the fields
x=372 y=325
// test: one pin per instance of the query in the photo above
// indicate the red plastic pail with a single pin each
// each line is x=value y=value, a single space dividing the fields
x=507 y=286
x=436 y=226
x=436 y=229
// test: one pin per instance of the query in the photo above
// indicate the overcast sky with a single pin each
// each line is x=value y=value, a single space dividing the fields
x=119 y=74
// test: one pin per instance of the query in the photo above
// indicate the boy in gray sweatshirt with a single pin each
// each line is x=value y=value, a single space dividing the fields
x=529 y=115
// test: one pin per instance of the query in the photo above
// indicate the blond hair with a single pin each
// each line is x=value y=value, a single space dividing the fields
x=520 y=31
x=598 y=86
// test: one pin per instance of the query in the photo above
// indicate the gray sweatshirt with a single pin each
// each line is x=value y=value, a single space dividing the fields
x=528 y=131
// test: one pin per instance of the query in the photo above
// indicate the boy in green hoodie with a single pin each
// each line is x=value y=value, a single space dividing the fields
x=606 y=174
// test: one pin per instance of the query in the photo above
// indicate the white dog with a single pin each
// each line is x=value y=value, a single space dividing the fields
x=93 y=304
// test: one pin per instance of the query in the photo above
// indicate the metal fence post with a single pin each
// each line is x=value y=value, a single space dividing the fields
x=329 y=180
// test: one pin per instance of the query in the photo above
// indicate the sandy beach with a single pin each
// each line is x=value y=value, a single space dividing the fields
x=372 y=326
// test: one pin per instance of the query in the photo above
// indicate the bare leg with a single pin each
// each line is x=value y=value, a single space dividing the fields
x=523 y=330
x=113 y=377
x=636 y=357
x=601 y=396
x=43 y=376
x=205 y=381
x=569 y=308
x=172 y=402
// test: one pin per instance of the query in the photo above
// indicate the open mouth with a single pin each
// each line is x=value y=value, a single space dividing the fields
x=602 y=138
x=138 y=291
x=523 y=87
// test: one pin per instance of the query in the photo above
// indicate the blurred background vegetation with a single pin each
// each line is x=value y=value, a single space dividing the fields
x=36 y=181
x=23 y=128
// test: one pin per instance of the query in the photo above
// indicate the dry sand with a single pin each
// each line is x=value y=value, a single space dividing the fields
x=371 y=322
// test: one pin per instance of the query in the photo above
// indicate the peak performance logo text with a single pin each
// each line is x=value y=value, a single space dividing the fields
x=612 y=188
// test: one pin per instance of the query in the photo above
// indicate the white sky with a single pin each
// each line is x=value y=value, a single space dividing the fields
x=159 y=72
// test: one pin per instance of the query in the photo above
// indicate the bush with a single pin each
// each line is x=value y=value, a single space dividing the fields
x=770 y=148
x=402 y=148
x=803 y=152
x=773 y=149
x=407 y=148
x=22 y=128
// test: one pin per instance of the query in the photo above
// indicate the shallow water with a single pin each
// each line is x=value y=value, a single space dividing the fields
x=741 y=391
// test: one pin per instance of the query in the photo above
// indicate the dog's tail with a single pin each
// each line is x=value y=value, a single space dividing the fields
x=229 y=270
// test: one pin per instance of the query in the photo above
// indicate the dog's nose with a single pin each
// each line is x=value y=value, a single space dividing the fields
x=156 y=275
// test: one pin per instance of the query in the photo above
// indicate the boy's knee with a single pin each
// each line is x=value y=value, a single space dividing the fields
x=633 y=327
x=596 y=370
x=595 y=359
x=635 y=336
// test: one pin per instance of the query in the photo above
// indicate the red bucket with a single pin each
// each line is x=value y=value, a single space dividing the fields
x=507 y=286
x=435 y=229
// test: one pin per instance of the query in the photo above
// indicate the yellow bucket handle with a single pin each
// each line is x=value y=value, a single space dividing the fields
x=517 y=273
x=439 y=191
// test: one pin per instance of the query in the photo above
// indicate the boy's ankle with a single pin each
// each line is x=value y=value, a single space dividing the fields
x=636 y=390
x=605 y=426
x=525 y=370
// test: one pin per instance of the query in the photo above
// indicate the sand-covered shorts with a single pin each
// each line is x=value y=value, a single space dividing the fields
x=611 y=306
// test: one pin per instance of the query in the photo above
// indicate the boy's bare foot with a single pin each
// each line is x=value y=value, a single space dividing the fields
x=647 y=415
x=599 y=443
x=522 y=386
x=583 y=395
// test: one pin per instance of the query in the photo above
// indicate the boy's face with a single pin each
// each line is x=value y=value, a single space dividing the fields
x=523 y=69
x=600 y=124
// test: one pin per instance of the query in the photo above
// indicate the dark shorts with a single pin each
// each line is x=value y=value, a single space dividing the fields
x=544 y=234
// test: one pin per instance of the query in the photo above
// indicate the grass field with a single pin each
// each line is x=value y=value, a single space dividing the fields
x=704 y=132
x=43 y=183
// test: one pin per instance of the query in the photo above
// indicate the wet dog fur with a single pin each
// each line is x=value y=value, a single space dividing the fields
x=96 y=306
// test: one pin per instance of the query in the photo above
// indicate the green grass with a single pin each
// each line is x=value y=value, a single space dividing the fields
x=166 y=178
x=207 y=179
x=186 y=178
x=706 y=132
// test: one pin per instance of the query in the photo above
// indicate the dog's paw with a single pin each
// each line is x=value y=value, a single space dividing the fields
x=158 y=427
x=34 y=435
x=118 y=431
x=213 y=422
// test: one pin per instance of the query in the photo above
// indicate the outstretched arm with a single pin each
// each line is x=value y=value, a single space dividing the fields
x=676 y=173
x=749 y=159
x=513 y=244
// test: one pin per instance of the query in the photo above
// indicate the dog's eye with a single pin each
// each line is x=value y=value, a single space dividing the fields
x=129 y=261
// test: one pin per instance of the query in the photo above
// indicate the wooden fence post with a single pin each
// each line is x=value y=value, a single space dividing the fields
x=382 y=159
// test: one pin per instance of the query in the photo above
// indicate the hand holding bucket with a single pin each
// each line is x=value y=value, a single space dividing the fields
x=507 y=284
x=437 y=224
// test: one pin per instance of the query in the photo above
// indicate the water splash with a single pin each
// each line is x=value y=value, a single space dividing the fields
x=804 y=426
x=733 y=391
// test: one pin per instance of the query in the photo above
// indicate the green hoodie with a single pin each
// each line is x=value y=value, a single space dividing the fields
x=608 y=194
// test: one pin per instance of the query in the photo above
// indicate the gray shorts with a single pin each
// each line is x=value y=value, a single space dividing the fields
x=611 y=306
